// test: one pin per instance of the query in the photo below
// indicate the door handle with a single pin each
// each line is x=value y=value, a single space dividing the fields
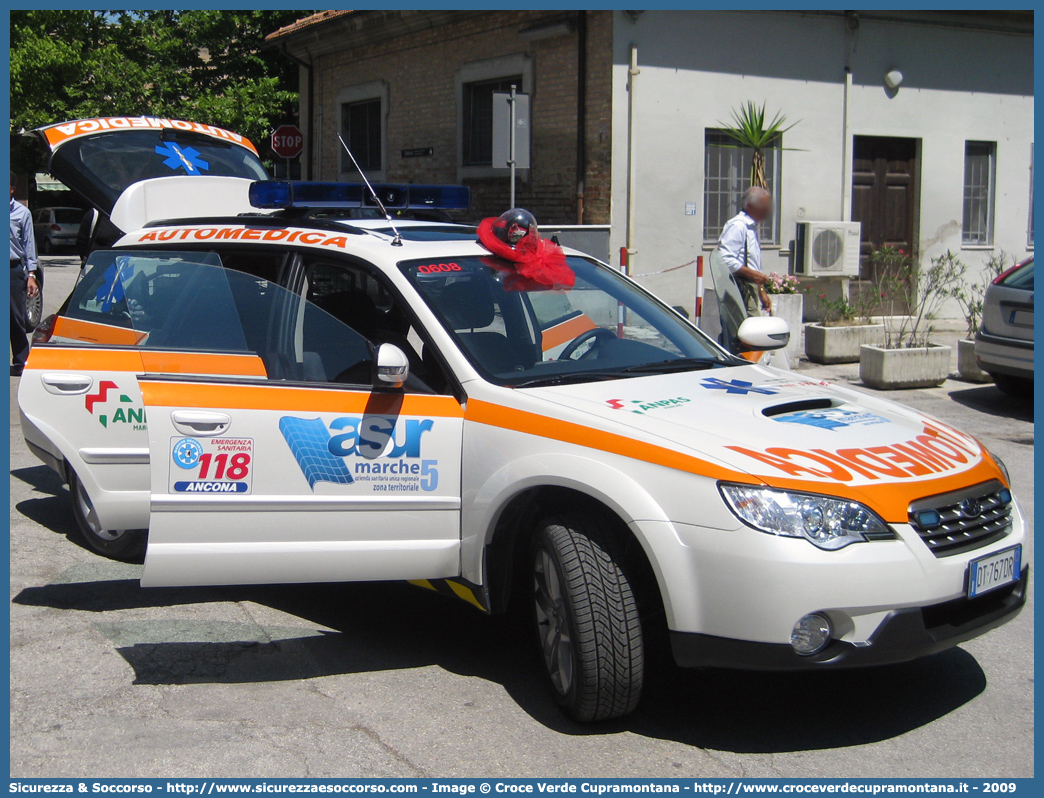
x=200 y=423
x=66 y=383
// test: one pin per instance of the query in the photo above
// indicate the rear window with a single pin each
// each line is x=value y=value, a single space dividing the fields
x=101 y=166
x=1021 y=277
x=68 y=215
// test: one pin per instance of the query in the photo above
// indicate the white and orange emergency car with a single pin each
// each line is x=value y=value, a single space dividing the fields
x=278 y=398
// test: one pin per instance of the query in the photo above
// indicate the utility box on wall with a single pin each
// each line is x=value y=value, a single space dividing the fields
x=827 y=249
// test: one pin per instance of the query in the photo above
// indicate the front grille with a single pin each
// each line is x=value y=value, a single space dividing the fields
x=968 y=519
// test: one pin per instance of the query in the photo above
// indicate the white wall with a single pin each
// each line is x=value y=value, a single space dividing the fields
x=696 y=66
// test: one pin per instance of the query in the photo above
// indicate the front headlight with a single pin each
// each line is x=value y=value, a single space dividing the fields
x=1003 y=468
x=825 y=522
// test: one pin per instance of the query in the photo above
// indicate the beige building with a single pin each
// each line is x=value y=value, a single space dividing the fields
x=919 y=125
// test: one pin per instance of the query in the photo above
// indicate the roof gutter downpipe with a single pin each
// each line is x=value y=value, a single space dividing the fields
x=581 y=113
x=632 y=153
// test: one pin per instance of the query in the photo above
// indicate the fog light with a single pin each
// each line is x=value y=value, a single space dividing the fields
x=811 y=634
x=929 y=519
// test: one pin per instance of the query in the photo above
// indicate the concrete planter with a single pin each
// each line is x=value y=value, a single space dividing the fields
x=925 y=367
x=966 y=364
x=840 y=344
x=790 y=307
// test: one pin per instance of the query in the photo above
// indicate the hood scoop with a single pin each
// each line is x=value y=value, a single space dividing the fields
x=818 y=403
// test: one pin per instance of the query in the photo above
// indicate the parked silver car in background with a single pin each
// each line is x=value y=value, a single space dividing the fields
x=1004 y=343
x=56 y=227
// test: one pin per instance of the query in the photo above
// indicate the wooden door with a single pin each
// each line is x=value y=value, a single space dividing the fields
x=884 y=194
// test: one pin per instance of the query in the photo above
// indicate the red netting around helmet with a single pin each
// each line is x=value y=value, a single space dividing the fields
x=535 y=258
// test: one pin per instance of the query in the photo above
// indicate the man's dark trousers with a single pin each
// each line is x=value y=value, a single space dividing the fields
x=19 y=323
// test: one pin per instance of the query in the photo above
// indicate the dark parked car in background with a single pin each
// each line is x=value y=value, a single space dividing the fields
x=55 y=228
x=1004 y=343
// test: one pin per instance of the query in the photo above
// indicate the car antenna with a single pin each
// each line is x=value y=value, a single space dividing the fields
x=397 y=241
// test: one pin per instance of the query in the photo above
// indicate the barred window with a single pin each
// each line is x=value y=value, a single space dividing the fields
x=478 y=118
x=980 y=167
x=361 y=128
x=726 y=175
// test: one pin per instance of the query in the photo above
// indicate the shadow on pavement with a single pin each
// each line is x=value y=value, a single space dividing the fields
x=991 y=400
x=389 y=626
x=42 y=479
x=51 y=510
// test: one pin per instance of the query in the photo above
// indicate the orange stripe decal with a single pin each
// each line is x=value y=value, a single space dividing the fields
x=141 y=362
x=566 y=331
x=568 y=432
x=203 y=363
x=294 y=399
x=58 y=357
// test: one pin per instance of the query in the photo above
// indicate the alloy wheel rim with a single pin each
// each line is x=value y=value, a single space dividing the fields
x=90 y=515
x=556 y=640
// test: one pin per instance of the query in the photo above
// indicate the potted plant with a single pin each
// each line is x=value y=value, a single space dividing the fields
x=750 y=131
x=788 y=304
x=970 y=297
x=846 y=325
x=908 y=359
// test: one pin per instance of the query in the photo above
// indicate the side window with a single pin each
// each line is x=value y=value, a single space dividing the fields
x=355 y=296
x=189 y=301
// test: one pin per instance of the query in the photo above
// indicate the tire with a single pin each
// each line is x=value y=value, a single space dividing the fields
x=118 y=544
x=586 y=619
x=1013 y=386
x=47 y=247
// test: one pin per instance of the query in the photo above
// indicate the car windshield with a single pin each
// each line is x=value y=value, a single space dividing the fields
x=519 y=333
x=189 y=301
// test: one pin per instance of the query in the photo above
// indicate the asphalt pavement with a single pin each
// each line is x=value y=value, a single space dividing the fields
x=109 y=679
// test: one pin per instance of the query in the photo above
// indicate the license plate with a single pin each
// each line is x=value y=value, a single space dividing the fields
x=988 y=573
x=1022 y=318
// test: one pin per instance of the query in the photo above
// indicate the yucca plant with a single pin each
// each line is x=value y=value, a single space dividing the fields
x=748 y=130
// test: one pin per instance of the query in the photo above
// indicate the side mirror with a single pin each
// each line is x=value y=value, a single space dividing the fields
x=763 y=333
x=391 y=367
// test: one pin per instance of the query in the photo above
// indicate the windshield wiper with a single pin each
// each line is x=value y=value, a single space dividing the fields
x=678 y=364
x=572 y=376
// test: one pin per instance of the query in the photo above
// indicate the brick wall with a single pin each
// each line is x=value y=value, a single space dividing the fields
x=420 y=70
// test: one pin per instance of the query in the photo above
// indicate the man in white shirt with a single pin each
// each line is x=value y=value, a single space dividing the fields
x=741 y=250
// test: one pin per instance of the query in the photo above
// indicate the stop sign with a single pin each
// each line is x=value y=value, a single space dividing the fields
x=287 y=141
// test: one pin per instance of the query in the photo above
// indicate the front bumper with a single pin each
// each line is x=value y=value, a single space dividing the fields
x=906 y=634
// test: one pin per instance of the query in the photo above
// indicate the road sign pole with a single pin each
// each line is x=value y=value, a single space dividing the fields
x=511 y=143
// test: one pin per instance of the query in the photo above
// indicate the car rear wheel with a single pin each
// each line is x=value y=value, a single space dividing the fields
x=586 y=618
x=119 y=544
x=46 y=247
x=34 y=309
x=1013 y=386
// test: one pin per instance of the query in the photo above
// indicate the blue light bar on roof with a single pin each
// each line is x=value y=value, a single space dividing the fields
x=271 y=194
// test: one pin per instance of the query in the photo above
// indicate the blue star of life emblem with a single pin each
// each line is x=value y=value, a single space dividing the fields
x=187 y=452
x=735 y=386
x=182 y=158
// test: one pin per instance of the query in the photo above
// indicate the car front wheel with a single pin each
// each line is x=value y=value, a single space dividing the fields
x=119 y=544
x=587 y=619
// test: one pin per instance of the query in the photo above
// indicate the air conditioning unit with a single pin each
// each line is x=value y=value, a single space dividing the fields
x=827 y=249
